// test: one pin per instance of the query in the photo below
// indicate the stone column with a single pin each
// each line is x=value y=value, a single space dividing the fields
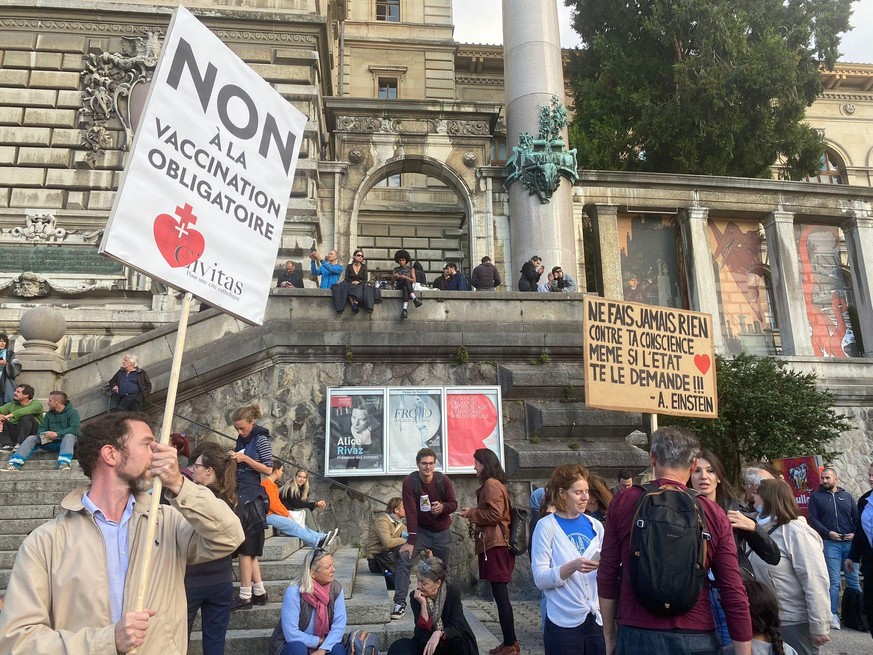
x=859 y=244
x=787 y=284
x=533 y=74
x=702 y=290
x=604 y=224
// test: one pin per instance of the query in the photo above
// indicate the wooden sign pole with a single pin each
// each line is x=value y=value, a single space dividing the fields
x=166 y=428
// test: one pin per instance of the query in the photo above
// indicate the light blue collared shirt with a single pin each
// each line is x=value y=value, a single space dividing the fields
x=116 y=540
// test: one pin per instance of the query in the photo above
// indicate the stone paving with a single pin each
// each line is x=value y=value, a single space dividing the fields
x=527 y=629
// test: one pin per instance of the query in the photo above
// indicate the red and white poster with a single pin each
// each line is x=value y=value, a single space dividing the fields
x=473 y=421
x=202 y=201
x=802 y=475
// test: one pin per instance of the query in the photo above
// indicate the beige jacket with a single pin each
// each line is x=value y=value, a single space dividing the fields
x=384 y=535
x=57 y=600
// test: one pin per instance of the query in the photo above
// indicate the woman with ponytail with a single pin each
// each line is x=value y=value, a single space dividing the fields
x=254 y=457
x=209 y=586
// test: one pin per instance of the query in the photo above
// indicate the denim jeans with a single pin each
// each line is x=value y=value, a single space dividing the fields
x=64 y=445
x=835 y=553
x=214 y=603
x=299 y=648
x=293 y=529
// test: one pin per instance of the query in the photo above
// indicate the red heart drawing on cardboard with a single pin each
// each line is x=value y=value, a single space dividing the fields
x=702 y=363
x=180 y=244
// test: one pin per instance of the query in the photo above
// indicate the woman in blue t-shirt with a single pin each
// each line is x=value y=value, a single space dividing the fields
x=565 y=556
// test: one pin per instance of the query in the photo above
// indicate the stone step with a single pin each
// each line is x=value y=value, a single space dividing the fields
x=537 y=460
x=280 y=548
x=19 y=526
x=9 y=498
x=553 y=380
x=572 y=420
x=255 y=641
x=7 y=558
x=42 y=461
x=39 y=481
x=11 y=541
x=29 y=511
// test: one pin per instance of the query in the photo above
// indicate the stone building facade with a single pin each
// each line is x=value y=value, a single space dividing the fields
x=404 y=148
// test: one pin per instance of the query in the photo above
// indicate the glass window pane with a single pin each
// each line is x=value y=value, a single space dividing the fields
x=388 y=10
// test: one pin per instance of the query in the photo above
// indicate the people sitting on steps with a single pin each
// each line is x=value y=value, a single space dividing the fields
x=58 y=431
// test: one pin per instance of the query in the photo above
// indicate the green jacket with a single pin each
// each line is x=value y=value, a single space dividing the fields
x=34 y=408
x=64 y=422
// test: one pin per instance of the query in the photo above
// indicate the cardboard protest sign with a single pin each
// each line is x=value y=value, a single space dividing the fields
x=647 y=358
x=803 y=476
x=203 y=198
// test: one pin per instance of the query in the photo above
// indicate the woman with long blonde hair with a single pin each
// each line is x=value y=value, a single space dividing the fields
x=316 y=603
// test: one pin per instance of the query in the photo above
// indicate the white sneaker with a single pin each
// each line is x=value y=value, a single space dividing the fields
x=835 y=622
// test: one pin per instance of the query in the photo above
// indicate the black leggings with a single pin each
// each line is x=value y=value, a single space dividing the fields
x=406 y=287
x=504 y=611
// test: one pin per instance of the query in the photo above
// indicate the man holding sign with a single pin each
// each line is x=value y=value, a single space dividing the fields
x=69 y=591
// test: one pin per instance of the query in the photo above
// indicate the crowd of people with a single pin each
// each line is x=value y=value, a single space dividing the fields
x=684 y=563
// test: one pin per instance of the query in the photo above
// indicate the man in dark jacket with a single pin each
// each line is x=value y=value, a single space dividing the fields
x=58 y=431
x=290 y=278
x=485 y=276
x=457 y=281
x=130 y=386
x=833 y=514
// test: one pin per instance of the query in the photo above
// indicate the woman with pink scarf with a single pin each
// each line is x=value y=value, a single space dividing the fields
x=313 y=610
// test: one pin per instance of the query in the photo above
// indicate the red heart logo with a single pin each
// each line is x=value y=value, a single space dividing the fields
x=179 y=243
x=702 y=363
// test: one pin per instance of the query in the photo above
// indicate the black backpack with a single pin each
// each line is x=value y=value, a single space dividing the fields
x=519 y=530
x=852 y=610
x=668 y=549
x=438 y=478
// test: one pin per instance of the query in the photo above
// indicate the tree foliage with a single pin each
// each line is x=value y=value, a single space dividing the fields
x=766 y=411
x=711 y=87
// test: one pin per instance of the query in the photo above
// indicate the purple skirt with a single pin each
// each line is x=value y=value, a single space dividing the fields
x=496 y=564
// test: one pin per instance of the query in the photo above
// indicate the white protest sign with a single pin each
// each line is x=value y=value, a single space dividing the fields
x=204 y=193
x=647 y=358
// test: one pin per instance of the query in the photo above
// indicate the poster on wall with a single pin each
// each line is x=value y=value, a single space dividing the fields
x=355 y=440
x=415 y=421
x=473 y=421
x=802 y=475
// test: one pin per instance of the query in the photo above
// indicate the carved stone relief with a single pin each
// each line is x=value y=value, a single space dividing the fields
x=371 y=125
x=108 y=80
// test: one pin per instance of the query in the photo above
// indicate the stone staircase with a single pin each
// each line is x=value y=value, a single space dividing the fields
x=32 y=496
x=546 y=423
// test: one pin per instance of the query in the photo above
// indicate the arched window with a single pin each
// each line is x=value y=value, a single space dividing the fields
x=831 y=169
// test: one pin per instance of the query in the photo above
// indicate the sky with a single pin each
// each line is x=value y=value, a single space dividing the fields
x=479 y=21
